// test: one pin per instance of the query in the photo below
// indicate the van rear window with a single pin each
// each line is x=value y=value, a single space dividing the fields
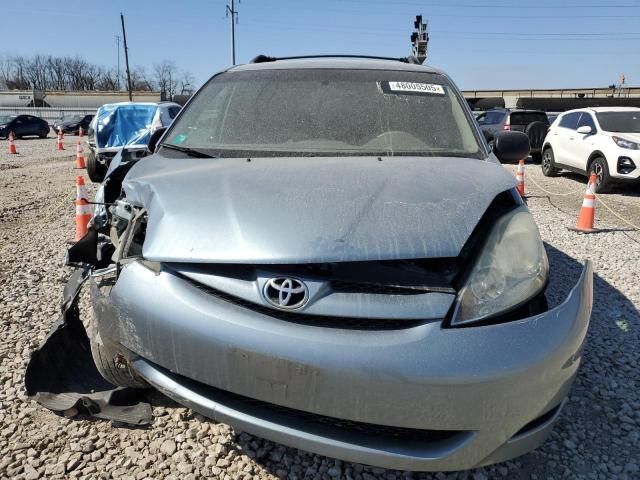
x=525 y=118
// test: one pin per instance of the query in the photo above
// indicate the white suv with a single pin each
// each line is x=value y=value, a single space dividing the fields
x=600 y=140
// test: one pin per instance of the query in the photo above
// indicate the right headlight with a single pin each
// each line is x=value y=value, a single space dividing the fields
x=511 y=269
x=624 y=143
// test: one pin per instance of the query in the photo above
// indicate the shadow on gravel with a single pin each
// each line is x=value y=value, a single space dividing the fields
x=623 y=189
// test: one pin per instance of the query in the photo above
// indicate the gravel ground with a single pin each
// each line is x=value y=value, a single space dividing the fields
x=597 y=437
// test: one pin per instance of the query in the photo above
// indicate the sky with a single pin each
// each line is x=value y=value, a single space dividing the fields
x=483 y=44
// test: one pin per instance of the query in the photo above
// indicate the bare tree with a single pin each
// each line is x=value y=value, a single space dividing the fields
x=166 y=77
x=108 y=80
x=140 y=81
x=187 y=81
x=47 y=72
x=6 y=72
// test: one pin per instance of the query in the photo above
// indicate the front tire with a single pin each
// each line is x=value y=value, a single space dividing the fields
x=95 y=169
x=603 y=179
x=548 y=163
x=116 y=372
x=110 y=361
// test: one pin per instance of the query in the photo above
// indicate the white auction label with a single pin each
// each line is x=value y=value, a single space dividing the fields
x=416 y=87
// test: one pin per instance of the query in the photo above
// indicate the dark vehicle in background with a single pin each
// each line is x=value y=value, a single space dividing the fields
x=532 y=122
x=73 y=124
x=23 y=126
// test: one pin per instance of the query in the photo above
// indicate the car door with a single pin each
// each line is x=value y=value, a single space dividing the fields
x=584 y=145
x=17 y=126
x=563 y=139
x=33 y=126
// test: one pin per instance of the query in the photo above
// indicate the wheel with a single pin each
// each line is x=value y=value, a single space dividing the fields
x=536 y=131
x=112 y=366
x=601 y=169
x=548 y=163
x=95 y=169
x=44 y=135
x=110 y=361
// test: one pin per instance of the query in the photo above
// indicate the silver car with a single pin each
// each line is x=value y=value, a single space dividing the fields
x=323 y=252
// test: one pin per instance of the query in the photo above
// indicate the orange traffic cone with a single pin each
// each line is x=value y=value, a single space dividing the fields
x=587 y=213
x=520 y=178
x=79 y=156
x=80 y=132
x=12 y=146
x=60 y=146
x=83 y=209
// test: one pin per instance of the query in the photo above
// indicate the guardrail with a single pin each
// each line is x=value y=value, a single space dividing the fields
x=50 y=114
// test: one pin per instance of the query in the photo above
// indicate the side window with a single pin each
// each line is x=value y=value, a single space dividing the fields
x=173 y=111
x=570 y=120
x=587 y=119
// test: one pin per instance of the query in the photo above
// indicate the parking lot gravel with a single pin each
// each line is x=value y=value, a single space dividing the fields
x=597 y=437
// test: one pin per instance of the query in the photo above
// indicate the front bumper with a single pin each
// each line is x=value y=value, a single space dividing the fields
x=422 y=398
x=629 y=177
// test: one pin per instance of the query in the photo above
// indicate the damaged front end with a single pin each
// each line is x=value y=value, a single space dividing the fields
x=64 y=373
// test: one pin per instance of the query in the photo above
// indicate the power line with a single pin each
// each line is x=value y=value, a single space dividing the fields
x=499 y=5
x=515 y=36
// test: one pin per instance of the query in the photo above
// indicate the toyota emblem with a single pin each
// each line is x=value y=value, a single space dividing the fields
x=285 y=292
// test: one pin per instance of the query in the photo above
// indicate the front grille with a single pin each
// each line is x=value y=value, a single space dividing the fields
x=379 y=289
x=346 y=323
x=386 y=432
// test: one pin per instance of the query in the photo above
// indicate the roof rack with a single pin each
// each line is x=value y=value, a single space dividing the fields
x=265 y=58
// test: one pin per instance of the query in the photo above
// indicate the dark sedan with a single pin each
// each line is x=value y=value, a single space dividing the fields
x=73 y=124
x=23 y=126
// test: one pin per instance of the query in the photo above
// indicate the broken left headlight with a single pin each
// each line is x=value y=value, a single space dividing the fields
x=511 y=269
x=127 y=229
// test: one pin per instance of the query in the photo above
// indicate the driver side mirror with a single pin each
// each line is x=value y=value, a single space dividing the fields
x=585 y=130
x=155 y=138
x=511 y=146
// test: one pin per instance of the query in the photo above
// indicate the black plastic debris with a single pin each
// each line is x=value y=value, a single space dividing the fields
x=62 y=375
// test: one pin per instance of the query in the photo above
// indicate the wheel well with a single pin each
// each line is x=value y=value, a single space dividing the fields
x=546 y=145
x=593 y=156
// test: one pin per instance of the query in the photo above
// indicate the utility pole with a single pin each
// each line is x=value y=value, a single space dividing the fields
x=234 y=19
x=126 y=57
x=118 y=70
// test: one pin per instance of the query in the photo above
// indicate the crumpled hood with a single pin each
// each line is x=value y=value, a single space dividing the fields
x=311 y=210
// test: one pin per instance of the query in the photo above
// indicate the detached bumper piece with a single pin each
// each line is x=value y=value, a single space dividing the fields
x=62 y=375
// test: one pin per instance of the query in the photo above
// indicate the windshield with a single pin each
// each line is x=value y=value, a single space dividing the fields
x=326 y=113
x=6 y=118
x=620 y=121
